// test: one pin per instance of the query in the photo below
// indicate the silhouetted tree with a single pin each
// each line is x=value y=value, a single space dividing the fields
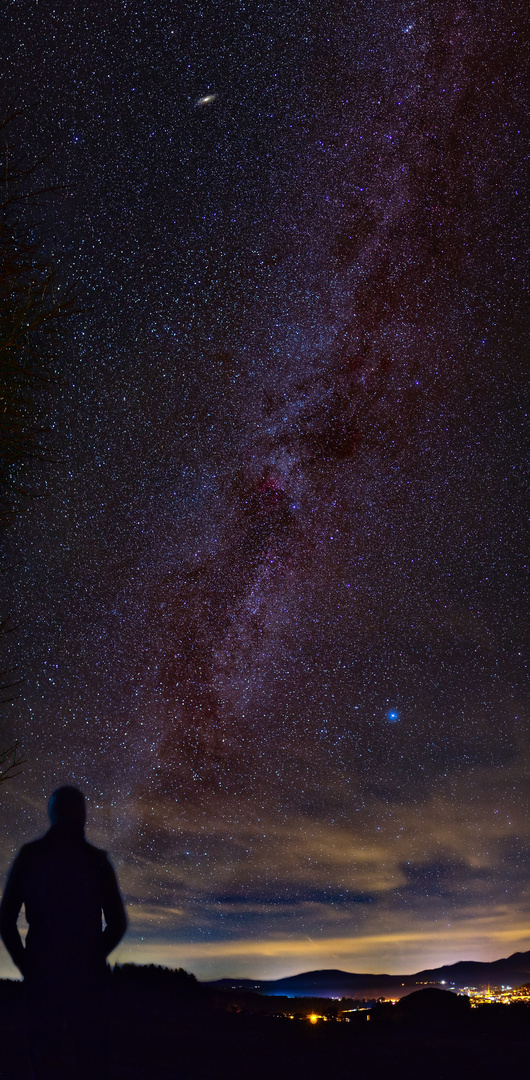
x=10 y=762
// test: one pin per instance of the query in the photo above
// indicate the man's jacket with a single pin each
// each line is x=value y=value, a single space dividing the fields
x=65 y=885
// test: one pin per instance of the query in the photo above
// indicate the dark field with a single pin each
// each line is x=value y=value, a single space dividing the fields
x=163 y=1029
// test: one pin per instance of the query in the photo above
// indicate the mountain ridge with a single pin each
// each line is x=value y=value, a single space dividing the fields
x=332 y=982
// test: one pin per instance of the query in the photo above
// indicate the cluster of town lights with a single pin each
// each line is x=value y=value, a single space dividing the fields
x=495 y=995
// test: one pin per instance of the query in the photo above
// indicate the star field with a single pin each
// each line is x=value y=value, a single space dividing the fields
x=271 y=615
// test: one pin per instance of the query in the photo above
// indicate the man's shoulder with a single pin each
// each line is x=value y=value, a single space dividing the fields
x=96 y=853
x=100 y=859
x=34 y=847
x=41 y=846
x=28 y=856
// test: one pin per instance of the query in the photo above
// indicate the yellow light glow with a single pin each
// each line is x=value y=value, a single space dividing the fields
x=405 y=951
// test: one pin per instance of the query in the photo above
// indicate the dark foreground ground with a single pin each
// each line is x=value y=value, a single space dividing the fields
x=164 y=1031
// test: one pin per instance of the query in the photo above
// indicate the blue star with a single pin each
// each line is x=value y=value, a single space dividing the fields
x=392 y=715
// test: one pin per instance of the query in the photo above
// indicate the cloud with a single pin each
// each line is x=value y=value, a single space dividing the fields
x=247 y=890
x=396 y=951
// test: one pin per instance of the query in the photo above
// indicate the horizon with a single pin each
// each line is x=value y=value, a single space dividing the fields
x=293 y=968
x=12 y=973
x=274 y=964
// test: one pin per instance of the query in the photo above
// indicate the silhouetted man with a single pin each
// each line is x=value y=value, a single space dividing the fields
x=66 y=885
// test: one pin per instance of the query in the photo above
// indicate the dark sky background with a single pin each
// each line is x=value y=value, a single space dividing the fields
x=272 y=614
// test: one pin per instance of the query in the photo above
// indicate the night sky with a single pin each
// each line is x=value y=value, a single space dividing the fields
x=271 y=614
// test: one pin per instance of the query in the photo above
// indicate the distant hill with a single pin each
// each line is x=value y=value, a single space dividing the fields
x=510 y=971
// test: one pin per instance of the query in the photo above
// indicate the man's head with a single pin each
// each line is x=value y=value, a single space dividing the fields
x=67 y=804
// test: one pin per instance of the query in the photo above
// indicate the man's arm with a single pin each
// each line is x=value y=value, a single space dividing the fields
x=12 y=901
x=113 y=910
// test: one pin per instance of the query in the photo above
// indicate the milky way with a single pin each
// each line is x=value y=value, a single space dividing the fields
x=271 y=615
